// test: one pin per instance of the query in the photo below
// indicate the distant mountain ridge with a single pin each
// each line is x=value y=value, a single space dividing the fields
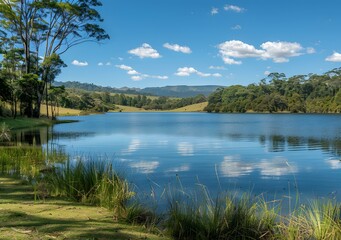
x=167 y=91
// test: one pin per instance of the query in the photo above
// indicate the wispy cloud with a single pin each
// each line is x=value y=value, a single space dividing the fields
x=311 y=50
x=187 y=71
x=177 y=48
x=217 y=67
x=266 y=73
x=335 y=57
x=79 y=63
x=234 y=8
x=137 y=76
x=279 y=52
x=145 y=51
x=214 y=11
x=102 y=64
x=236 y=27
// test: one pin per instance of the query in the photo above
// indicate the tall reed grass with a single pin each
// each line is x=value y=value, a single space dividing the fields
x=93 y=182
x=242 y=217
x=23 y=161
x=225 y=217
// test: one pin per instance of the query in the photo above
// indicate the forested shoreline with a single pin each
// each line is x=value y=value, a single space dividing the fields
x=311 y=93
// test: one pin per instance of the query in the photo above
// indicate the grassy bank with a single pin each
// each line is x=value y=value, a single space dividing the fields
x=53 y=218
x=21 y=123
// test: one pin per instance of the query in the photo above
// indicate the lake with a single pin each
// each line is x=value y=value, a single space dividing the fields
x=276 y=155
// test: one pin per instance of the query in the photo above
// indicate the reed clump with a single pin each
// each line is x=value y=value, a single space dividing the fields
x=226 y=217
x=92 y=182
x=242 y=217
x=22 y=161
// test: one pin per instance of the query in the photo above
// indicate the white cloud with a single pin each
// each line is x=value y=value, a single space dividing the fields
x=124 y=67
x=279 y=52
x=102 y=64
x=79 y=64
x=187 y=71
x=217 y=67
x=236 y=27
x=311 y=50
x=132 y=72
x=145 y=51
x=214 y=11
x=335 y=57
x=177 y=48
x=266 y=73
x=233 y=8
x=137 y=76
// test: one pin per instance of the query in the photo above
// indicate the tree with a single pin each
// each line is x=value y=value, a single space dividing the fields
x=49 y=27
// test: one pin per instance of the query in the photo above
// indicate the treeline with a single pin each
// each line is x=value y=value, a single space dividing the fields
x=298 y=94
x=105 y=101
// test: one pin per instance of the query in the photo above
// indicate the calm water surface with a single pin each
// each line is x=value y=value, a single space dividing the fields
x=274 y=154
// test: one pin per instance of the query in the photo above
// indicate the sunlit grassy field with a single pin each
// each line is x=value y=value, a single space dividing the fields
x=23 y=218
x=61 y=111
x=198 y=107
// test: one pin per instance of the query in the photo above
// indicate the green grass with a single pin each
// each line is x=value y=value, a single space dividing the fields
x=23 y=218
x=21 y=123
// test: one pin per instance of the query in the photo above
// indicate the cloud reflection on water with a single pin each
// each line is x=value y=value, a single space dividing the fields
x=182 y=168
x=185 y=149
x=233 y=166
x=145 y=167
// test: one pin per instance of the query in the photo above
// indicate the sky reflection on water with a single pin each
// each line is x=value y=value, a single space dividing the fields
x=259 y=152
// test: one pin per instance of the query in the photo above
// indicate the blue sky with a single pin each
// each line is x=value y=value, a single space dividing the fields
x=207 y=42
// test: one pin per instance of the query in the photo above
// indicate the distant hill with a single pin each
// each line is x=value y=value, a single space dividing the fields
x=168 y=91
x=93 y=87
x=180 y=91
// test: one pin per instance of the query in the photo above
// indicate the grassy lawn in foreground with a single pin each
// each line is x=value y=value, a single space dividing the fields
x=23 y=218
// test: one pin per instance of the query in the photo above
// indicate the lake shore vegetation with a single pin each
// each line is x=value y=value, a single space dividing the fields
x=188 y=215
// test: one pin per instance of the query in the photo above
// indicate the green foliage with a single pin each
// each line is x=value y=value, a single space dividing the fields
x=30 y=29
x=276 y=93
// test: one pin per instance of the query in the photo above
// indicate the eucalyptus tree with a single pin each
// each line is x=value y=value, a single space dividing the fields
x=49 y=28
